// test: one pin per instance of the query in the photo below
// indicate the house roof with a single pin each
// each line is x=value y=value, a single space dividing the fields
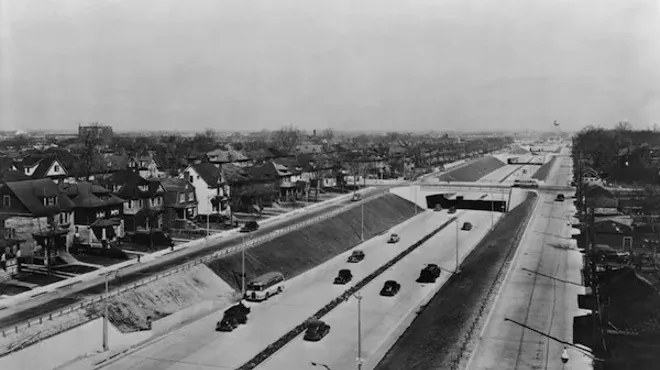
x=176 y=184
x=268 y=170
x=597 y=191
x=226 y=155
x=32 y=192
x=208 y=172
x=43 y=162
x=88 y=195
x=11 y=175
x=234 y=174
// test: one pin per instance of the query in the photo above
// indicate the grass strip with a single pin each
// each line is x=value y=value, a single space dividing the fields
x=288 y=337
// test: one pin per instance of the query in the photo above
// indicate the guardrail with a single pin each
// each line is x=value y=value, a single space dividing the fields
x=252 y=242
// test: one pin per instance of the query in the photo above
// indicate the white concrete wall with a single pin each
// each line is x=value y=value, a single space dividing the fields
x=66 y=347
x=413 y=194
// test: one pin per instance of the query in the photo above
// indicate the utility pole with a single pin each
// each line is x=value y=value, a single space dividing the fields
x=359 y=331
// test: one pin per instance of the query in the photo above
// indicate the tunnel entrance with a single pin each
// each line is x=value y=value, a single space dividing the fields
x=460 y=203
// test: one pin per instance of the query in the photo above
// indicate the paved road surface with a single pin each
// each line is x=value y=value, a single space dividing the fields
x=46 y=303
x=543 y=303
x=198 y=346
x=381 y=316
x=499 y=174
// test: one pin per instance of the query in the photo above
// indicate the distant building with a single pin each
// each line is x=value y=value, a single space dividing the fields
x=96 y=130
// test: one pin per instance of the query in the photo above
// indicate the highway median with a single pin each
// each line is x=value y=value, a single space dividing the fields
x=293 y=333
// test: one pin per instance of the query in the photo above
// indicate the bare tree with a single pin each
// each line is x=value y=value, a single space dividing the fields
x=287 y=138
x=327 y=134
x=623 y=126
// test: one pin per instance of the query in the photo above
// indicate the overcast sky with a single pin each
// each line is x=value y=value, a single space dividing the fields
x=346 y=64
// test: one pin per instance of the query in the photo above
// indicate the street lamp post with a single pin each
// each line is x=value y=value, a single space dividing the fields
x=243 y=269
x=359 y=331
x=105 y=312
x=362 y=219
x=457 y=270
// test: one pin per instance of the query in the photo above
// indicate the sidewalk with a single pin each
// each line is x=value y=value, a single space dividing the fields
x=36 y=306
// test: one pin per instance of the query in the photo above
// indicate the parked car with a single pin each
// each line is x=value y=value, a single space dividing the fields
x=344 y=276
x=233 y=317
x=466 y=226
x=250 y=226
x=356 y=197
x=356 y=256
x=429 y=274
x=452 y=210
x=560 y=198
x=316 y=330
x=148 y=238
x=390 y=288
x=240 y=311
x=214 y=218
x=394 y=238
x=437 y=208
x=228 y=323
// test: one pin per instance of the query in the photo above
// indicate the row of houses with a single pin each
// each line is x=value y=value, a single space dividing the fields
x=44 y=211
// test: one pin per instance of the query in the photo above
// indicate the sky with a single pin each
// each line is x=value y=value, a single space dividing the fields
x=406 y=65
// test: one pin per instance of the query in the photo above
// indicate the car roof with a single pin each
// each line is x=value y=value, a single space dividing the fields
x=390 y=281
x=344 y=270
x=358 y=251
x=312 y=323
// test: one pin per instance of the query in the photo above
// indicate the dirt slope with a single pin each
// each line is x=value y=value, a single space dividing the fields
x=299 y=251
x=543 y=171
x=473 y=171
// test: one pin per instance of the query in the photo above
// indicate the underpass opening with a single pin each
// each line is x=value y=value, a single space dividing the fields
x=462 y=201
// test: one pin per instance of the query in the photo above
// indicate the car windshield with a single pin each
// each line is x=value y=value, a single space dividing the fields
x=256 y=287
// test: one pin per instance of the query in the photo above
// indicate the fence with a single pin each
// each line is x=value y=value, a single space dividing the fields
x=208 y=258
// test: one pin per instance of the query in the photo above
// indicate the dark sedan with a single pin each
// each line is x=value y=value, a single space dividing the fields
x=343 y=277
x=429 y=274
x=316 y=330
x=390 y=288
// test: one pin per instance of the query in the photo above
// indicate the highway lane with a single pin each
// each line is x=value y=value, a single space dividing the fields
x=500 y=174
x=546 y=303
x=198 y=346
x=50 y=302
x=381 y=316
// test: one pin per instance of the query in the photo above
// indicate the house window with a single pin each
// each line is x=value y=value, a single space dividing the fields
x=100 y=214
x=56 y=168
x=114 y=212
x=10 y=233
x=140 y=203
x=6 y=200
x=160 y=201
x=50 y=201
x=129 y=204
x=64 y=218
x=144 y=187
x=182 y=198
x=191 y=196
x=190 y=179
x=116 y=188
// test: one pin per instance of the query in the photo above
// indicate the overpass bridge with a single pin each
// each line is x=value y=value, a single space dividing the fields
x=489 y=187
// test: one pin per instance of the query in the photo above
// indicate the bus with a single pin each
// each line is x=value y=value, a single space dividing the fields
x=264 y=286
x=526 y=183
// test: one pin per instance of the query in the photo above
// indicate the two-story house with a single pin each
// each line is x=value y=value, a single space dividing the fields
x=145 y=166
x=276 y=174
x=211 y=190
x=98 y=220
x=38 y=215
x=39 y=166
x=180 y=199
x=143 y=200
